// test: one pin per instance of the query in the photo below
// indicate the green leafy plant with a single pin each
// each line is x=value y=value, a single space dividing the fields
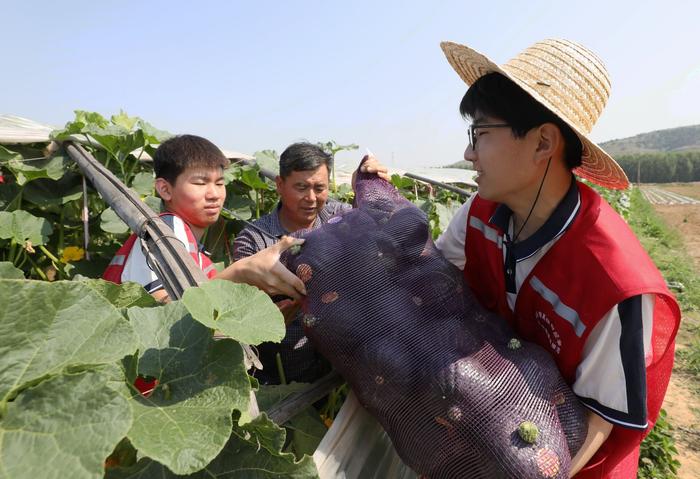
x=657 y=457
x=67 y=383
x=332 y=148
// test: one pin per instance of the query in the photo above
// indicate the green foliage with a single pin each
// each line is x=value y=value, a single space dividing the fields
x=119 y=141
x=618 y=199
x=37 y=427
x=252 y=452
x=331 y=147
x=440 y=205
x=306 y=429
x=268 y=159
x=8 y=271
x=70 y=358
x=70 y=325
x=34 y=167
x=661 y=167
x=200 y=383
x=665 y=247
x=120 y=295
x=58 y=342
x=658 y=451
x=43 y=187
x=688 y=359
x=21 y=228
x=240 y=311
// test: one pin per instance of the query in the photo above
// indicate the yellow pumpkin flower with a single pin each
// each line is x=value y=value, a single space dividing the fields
x=72 y=253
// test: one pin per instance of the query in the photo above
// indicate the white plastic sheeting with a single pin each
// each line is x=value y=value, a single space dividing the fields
x=356 y=447
x=15 y=130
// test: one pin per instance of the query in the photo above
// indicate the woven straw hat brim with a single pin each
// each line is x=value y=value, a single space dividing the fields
x=596 y=165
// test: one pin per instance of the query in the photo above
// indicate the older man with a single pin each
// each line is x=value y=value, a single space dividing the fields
x=304 y=204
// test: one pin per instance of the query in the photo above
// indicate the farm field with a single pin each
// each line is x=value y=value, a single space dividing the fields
x=683 y=398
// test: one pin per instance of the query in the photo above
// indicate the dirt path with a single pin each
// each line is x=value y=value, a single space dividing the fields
x=682 y=402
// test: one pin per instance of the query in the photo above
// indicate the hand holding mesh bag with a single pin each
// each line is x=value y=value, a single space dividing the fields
x=457 y=393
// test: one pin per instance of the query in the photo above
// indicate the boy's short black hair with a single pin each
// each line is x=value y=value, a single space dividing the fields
x=496 y=96
x=303 y=157
x=180 y=152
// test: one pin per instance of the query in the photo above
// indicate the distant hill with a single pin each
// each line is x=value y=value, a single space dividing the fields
x=683 y=138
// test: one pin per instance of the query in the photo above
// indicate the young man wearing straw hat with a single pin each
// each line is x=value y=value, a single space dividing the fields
x=547 y=253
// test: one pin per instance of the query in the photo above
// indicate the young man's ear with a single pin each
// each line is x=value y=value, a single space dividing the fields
x=550 y=141
x=164 y=189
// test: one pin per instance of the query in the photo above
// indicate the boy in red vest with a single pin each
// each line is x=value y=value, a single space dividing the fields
x=189 y=179
x=547 y=253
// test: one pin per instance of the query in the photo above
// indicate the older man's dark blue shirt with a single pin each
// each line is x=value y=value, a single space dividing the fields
x=300 y=361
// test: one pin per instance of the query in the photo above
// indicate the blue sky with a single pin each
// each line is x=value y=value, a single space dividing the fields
x=258 y=75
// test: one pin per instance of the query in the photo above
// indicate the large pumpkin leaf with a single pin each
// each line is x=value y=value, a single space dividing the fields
x=268 y=159
x=124 y=120
x=155 y=203
x=8 y=271
x=187 y=420
x=109 y=136
x=10 y=196
x=269 y=395
x=241 y=206
x=250 y=176
x=32 y=169
x=63 y=427
x=152 y=134
x=240 y=311
x=123 y=295
x=21 y=226
x=45 y=192
x=446 y=213
x=306 y=427
x=143 y=183
x=47 y=327
x=112 y=223
x=77 y=126
x=252 y=452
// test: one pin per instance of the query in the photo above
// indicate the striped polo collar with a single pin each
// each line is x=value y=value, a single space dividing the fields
x=560 y=219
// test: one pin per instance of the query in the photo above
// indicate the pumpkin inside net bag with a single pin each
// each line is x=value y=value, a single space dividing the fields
x=456 y=391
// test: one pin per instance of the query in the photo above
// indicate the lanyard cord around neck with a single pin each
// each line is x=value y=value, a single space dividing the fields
x=534 y=203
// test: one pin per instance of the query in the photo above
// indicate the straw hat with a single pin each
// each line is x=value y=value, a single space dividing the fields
x=565 y=77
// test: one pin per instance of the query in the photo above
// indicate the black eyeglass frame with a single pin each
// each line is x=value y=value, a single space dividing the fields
x=472 y=127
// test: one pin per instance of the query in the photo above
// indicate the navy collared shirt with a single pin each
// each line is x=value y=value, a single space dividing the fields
x=249 y=241
x=560 y=219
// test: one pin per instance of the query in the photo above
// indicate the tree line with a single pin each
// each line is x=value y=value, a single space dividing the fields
x=661 y=167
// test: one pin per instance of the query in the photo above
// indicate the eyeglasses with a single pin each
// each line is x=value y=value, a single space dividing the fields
x=473 y=127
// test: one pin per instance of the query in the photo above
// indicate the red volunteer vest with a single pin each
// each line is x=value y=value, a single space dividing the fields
x=114 y=270
x=594 y=265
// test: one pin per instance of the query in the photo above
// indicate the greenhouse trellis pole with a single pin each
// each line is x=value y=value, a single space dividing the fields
x=167 y=255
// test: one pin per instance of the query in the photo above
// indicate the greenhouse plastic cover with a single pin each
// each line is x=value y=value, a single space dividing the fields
x=15 y=130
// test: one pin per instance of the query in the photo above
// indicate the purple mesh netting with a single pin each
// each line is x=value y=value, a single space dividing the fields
x=441 y=374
